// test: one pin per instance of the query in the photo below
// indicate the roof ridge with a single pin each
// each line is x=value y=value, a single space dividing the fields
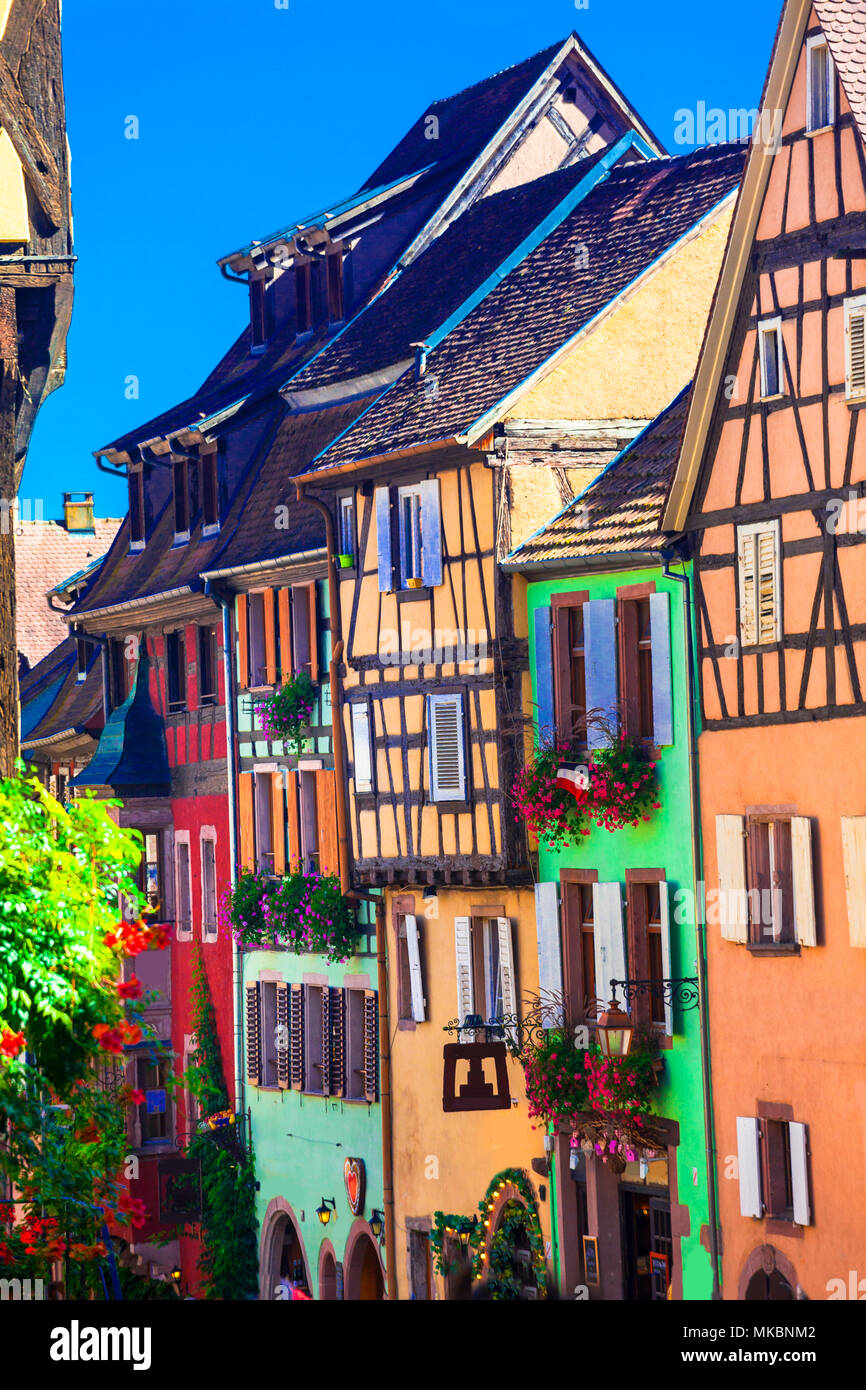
x=512 y=67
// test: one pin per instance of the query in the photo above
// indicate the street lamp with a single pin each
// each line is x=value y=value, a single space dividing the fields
x=377 y=1223
x=327 y=1209
x=614 y=1031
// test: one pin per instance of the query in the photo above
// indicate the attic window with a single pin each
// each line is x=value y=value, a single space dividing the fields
x=820 y=84
x=770 y=340
x=304 y=295
x=82 y=651
x=258 y=315
x=210 y=493
x=137 y=535
x=181 y=500
x=335 y=286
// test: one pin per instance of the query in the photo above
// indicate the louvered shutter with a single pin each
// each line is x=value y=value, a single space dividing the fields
x=431 y=533
x=797 y=1135
x=854 y=857
x=371 y=1046
x=660 y=635
x=463 y=956
x=278 y=822
x=283 y=1038
x=326 y=1041
x=243 y=646
x=326 y=821
x=245 y=819
x=748 y=609
x=549 y=953
x=804 y=889
x=447 y=769
x=749 y=1166
x=296 y=1037
x=383 y=540
x=768 y=598
x=609 y=939
x=665 y=912
x=361 y=747
x=254 y=1040
x=314 y=631
x=338 y=1042
x=855 y=322
x=270 y=637
x=599 y=645
x=507 y=971
x=543 y=692
x=284 y=609
x=416 y=981
x=293 y=819
x=731 y=856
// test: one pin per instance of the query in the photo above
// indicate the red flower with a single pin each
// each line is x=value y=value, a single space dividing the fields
x=131 y=989
x=11 y=1043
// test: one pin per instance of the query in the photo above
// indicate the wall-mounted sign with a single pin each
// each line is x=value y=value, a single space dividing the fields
x=355 y=1178
x=590 y=1259
x=476 y=1092
x=574 y=779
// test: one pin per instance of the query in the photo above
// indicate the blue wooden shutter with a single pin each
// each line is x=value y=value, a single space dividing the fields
x=543 y=674
x=599 y=640
x=383 y=539
x=660 y=632
x=549 y=953
x=431 y=533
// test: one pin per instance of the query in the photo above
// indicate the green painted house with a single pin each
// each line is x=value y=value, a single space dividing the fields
x=609 y=607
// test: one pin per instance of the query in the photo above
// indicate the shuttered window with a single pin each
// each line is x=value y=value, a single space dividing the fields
x=362 y=747
x=184 y=887
x=549 y=953
x=731 y=909
x=649 y=948
x=208 y=889
x=569 y=664
x=760 y=583
x=181 y=499
x=254 y=1062
x=578 y=939
x=609 y=939
x=749 y=1166
x=820 y=84
x=420 y=533
x=175 y=664
x=283 y=1036
x=781 y=889
x=337 y=1042
x=317 y=1028
x=268 y=1043
x=446 y=742
x=210 y=492
x=371 y=1046
x=772 y=1158
x=599 y=617
x=263 y=822
x=855 y=347
x=770 y=351
x=355 y=1064
x=296 y=1037
x=413 y=957
x=854 y=858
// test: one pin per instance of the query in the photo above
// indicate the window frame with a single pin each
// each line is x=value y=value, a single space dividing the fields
x=175 y=641
x=263 y=813
x=208 y=642
x=303 y=275
x=335 y=287
x=813 y=42
x=256 y=601
x=629 y=674
x=437 y=795
x=135 y=486
x=854 y=304
x=756 y=528
x=584 y=1007
x=354 y=997
x=756 y=939
x=259 y=314
x=346 y=504
x=181 y=500
x=765 y=328
x=637 y=882
x=208 y=836
x=410 y=492
x=561 y=608
x=209 y=482
x=362 y=708
x=182 y=841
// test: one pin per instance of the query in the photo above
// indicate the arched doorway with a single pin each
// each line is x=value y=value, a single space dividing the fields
x=768 y=1277
x=282 y=1257
x=769 y=1288
x=365 y=1281
x=291 y=1264
x=328 y=1276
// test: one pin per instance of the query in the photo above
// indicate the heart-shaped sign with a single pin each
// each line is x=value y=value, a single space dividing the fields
x=353 y=1172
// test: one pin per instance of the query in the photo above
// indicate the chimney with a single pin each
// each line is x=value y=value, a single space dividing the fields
x=78 y=511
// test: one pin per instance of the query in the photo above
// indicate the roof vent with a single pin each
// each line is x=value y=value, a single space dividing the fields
x=78 y=511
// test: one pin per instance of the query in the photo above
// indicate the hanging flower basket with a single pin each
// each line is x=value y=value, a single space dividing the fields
x=305 y=912
x=557 y=813
x=560 y=797
x=623 y=785
x=285 y=715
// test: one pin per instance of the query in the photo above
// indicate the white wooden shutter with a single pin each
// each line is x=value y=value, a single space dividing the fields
x=463 y=956
x=660 y=635
x=749 y=1165
x=768 y=584
x=609 y=937
x=797 y=1136
x=447 y=771
x=599 y=644
x=413 y=950
x=549 y=953
x=431 y=533
x=507 y=973
x=855 y=337
x=361 y=748
x=804 y=889
x=854 y=856
x=383 y=539
x=748 y=608
x=731 y=855
x=665 y=911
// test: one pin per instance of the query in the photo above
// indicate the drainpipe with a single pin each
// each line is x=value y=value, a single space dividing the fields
x=225 y=601
x=700 y=916
x=384 y=1091
x=334 y=676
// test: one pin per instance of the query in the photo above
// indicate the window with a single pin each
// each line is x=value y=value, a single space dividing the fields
x=210 y=493
x=648 y=944
x=304 y=629
x=410 y=986
x=578 y=956
x=773 y=1167
x=354 y=1044
x=417 y=532
x=347 y=525
x=636 y=666
x=771 y=881
x=486 y=977
x=207 y=666
x=308 y=821
x=304 y=296
x=315 y=1041
x=137 y=534
x=263 y=824
x=760 y=582
x=184 y=886
x=446 y=735
x=820 y=84
x=175 y=662
x=335 y=286
x=362 y=746
x=258 y=314
x=118 y=672
x=766 y=893
x=411 y=563
x=181 y=500
x=208 y=886
x=258 y=675
x=82 y=656
x=770 y=345
x=569 y=674
x=151 y=1077
x=855 y=347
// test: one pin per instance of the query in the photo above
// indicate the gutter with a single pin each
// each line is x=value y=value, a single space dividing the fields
x=133 y=604
x=53 y=738
x=255 y=567
x=621 y=560
x=396 y=455
x=700 y=922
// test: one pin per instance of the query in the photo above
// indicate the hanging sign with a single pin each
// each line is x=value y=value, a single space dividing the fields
x=355 y=1179
x=574 y=780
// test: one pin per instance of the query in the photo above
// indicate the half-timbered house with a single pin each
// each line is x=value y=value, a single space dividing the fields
x=768 y=494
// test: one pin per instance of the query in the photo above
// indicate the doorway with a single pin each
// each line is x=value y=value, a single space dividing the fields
x=647 y=1245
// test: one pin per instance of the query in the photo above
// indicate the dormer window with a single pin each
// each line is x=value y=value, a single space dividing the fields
x=771 y=361
x=137 y=536
x=304 y=295
x=82 y=652
x=259 y=308
x=181 y=500
x=335 y=286
x=820 y=85
x=210 y=494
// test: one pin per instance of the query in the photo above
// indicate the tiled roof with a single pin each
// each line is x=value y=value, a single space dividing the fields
x=466 y=121
x=45 y=554
x=638 y=212
x=621 y=510
x=54 y=700
x=844 y=23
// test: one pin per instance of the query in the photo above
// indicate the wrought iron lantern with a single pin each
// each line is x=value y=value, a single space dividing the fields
x=327 y=1209
x=614 y=1031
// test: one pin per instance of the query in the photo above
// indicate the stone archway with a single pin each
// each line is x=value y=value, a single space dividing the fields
x=327 y=1272
x=281 y=1251
x=364 y=1275
x=767 y=1277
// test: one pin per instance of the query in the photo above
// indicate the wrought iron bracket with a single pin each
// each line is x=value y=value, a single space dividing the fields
x=680 y=993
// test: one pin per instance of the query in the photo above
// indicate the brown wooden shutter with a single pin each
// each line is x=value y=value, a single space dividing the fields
x=270 y=637
x=314 y=633
x=326 y=821
x=296 y=1030
x=245 y=816
x=243 y=651
x=254 y=1040
x=371 y=1046
x=284 y=1024
x=326 y=1041
x=285 y=624
x=338 y=1042
x=294 y=821
x=278 y=822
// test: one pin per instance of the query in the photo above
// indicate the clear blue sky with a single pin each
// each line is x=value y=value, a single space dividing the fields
x=250 y=115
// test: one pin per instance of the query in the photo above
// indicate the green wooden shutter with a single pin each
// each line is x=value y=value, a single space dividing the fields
x=254 y=1039
x=371 y=1046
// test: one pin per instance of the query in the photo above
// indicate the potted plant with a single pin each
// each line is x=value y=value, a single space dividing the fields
x=345 y=562
x=286 y=713
x=415 y=582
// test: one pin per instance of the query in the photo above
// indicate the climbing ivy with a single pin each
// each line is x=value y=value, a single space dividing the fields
x=502 y=1283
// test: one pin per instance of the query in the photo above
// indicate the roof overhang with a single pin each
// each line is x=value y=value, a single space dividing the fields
x=581 y=564
x=449 y=451
x=238 y=575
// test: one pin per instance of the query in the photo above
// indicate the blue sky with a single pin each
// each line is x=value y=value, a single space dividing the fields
x=250 y=115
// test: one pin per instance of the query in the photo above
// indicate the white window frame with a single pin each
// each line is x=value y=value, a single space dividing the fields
x=208 y=835
x=181 y=838
x=411 y=491
x=438 y=793
x=856 y=304
x=755 y=529
x=346 y=508
x=820 y=41
x=362 y=746
x=765 y=328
